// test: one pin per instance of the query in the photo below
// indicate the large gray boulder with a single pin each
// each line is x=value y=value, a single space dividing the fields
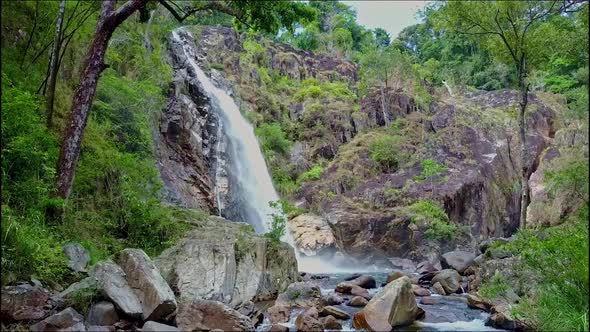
x=153 y=292
x=102 y=314
x=449 y=279
x=395 y=305
x=66 y=320
x=78 y=256
x=227 y=262
x=458 y=260
x=312 y=234
x=111 y=280
x=23 y=302
x=208 y=315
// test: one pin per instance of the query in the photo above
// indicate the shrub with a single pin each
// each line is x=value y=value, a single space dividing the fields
x=277 y=227
x=273 y=138
x=385 y=150
x=439 y=225
x=312 y=91
x=430 y=168
x=313 y=174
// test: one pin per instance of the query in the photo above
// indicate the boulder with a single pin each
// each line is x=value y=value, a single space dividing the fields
x=333 y=311
x=449 y=279
x=364 y=282
x=498 y=253
x=458 y=260
x=101 y=328
x=429 y=300
x=227 y=262
x=278 y=314
x=331 y=323
x=352 y=277
x=395 y=305
x=23 y=302
x=333 y=299
x=301 y=294
x=111 y=279
x=420 y=291
x=357 y=301
x=476 y=302
x=66 y=320
x=153 y=292
x=393 y=276
x=102 y=313
x=208 y=315
x=151 y=326
x=502 y=318
x=308 y=323
x=312 y=312
x=77 y=255
x=277 y=328
x=348 y=288
x=438 y=289
x=426 y=267
x=312 y=234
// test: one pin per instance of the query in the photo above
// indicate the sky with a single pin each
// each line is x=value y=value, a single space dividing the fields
x=393 y=16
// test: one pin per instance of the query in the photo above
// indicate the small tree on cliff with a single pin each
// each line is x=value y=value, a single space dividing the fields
x=263 y=15
x=510 y=29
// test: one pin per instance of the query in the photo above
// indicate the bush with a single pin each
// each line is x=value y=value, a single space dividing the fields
x=430 y=213
x=273 y=138
x=313 y=174
x=430 y=168
x=277 y=227
x=385 y=150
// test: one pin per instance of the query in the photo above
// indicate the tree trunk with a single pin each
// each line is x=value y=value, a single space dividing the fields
x=524 y=198
x=383 y=106
x=84 y=94
x=53 y=64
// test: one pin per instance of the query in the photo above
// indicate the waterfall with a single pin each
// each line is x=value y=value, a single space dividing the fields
x=254 y=188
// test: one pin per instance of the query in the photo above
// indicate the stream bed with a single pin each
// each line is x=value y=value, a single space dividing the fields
x=449 y=313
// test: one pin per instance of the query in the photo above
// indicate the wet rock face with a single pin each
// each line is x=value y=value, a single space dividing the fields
x=312 y=234
x=227 y=262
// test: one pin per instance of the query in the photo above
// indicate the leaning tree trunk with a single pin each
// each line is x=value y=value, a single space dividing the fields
x=93 y=66
x=53 y=64
x=524 y=198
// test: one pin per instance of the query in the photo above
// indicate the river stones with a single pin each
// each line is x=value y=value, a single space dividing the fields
x=393 y=276
x=364 y=281
x=348 y=288
x=302 y=294
x=429 y=300
x=156 y=297
x=208 y=315
x=394 y=305
x=333 y=311
x=420 y=291
x=438 y=289
x=331 y=323
x=357 y=301
x=333 y=299
x=458 y=260
x=151 y=326
x=306 y=322
x=278 y=314
x=449 y=279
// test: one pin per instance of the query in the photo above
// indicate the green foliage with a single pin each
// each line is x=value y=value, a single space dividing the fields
x=278 y=225
x=430 y=168
x=273 y=138
x=439 y=225
x=313 y=174
x=385 y=150
x=83 y=299
x=559 y=255
x=496 y=287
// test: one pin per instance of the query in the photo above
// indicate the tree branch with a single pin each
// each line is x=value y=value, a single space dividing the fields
x=512 y=53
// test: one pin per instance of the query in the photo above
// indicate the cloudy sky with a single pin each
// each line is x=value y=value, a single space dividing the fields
x=392 y=16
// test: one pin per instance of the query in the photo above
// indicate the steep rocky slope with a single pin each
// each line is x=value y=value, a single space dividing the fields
x=376 y=210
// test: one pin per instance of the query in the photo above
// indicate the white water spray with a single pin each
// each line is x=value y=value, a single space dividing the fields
x=255 y=185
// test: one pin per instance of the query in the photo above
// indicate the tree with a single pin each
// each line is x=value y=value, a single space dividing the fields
x=268 y=16
x=53 y=63
x=382 y=38
x=509 y=29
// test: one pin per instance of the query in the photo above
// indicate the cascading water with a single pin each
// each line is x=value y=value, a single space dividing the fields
x=254 y=187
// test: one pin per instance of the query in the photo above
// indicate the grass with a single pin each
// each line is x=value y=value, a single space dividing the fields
x=435 y=217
